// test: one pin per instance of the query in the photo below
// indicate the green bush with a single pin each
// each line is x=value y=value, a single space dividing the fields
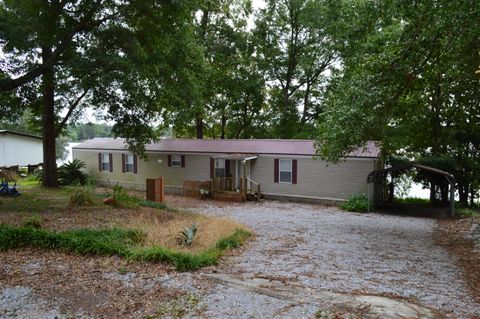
x=356 y=203
x=82 y=196
x=71 y=173
x=122 y=199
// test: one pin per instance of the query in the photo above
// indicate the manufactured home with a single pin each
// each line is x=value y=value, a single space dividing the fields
x=20 y=149
x=278 y=169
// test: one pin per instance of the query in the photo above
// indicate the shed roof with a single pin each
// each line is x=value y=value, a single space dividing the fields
x=242 y=146
x=3 y=132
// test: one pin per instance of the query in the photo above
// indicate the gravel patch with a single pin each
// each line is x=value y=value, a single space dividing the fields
x=19 y=302
x=309 y=247
x=325 y=248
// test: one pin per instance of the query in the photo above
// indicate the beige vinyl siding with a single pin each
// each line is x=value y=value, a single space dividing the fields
x=314 y=178
x=197 y=167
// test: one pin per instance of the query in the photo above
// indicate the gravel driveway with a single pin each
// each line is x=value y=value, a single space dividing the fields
x=305 y=258
x=324 y=248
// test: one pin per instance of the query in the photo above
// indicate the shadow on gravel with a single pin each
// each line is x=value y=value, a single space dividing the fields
x=414 y=210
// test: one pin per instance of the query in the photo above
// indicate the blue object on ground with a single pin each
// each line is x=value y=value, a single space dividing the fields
x=7 y=190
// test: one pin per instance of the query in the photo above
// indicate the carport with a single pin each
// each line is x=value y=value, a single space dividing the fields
x=380 y=175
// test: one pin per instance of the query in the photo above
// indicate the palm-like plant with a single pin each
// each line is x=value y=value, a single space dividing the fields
x=187 y=235
x=71 y=173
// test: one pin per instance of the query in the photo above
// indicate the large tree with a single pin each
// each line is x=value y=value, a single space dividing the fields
x=62 y=55
x=222 y=88
x=296 y=48
x=408 y=79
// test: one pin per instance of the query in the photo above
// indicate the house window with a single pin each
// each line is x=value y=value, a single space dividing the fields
x=106 y=162
x=285 y=171
x=176 y=161
x=219 y=167
x=129 y=163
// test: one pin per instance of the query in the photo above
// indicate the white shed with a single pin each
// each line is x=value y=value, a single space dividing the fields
x=20 y=149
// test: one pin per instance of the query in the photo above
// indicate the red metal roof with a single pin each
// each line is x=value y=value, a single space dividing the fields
x=245 y=146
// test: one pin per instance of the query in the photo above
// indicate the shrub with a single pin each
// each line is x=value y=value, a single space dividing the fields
x=122 y=199
x=356 y=203
x=82 y=196
x=187 y=235
x=34 y=221
x=71 y=173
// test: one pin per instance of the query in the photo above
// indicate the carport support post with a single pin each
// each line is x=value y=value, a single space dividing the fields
x=452 y=200
x=368 y=197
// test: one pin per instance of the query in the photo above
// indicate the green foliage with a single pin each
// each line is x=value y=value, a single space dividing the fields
x=82 y=241
x=294 y=50
x=187 y=235
x=233 y=241
x=413 y=200
x=181 y=260
x=156 y=205
x=123 y=199
x=124 y=243
x=468 y=213
x=86 y=131
x=356 y=203
x=408 y=80
x=71 y=173
x=31 y=180
x=82 y=196
x=34 y=221
x=186 y=261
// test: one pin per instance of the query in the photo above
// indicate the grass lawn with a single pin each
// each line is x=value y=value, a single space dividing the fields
x=134 y=229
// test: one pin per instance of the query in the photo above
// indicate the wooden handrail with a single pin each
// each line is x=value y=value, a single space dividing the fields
x=252 y=181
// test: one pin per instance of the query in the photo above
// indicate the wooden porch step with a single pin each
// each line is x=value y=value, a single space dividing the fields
x=254 y=197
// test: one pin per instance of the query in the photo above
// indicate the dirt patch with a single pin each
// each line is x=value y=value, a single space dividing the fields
x=92 y=286
x=458 y=237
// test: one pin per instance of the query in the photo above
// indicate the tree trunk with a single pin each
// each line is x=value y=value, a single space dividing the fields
x=444 y=192
x=203 y=34
x=199 y=126
x=391 y=192
x=306 y=102
x=48 y=123
x=223 y=125
x=463 y=194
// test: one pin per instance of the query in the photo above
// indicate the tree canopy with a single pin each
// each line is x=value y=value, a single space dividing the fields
x=342 y=72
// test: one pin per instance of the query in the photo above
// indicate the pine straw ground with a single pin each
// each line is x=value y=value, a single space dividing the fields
x=454 y=235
